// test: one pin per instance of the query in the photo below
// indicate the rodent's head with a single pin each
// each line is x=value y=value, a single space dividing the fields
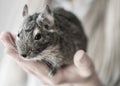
x=38 y=32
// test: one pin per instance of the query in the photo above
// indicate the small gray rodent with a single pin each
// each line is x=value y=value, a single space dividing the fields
x=52 y=37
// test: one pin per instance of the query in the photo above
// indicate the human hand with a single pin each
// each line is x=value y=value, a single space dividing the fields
x=81 y=73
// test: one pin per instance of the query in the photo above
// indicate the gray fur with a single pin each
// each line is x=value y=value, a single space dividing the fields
x=59 y=41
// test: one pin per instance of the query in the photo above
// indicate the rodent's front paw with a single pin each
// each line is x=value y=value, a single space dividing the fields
x=51 y=68
x=52 y=71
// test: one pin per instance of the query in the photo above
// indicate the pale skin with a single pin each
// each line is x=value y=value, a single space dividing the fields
x=81 y=73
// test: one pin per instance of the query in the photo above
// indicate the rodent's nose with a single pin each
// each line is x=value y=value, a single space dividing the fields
x=24 y=55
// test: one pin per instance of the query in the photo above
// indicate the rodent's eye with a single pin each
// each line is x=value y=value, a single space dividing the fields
x=38 y=36
x=46 y=26
x=18 y=35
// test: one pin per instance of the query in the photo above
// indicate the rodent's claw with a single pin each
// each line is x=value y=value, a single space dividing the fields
x=52 y=72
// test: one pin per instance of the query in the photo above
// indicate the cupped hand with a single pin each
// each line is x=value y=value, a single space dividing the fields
x=81 y=73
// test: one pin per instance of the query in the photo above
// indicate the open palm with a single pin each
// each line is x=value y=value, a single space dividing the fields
x=81 y=72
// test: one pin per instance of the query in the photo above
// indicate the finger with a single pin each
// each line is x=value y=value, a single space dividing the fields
x=43 y=72
x=13 y=53
x=40 y=70
x=7 y=39
x=84 y=64
x=13 y=37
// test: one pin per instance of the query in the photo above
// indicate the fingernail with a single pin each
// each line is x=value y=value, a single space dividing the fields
x=83 y=59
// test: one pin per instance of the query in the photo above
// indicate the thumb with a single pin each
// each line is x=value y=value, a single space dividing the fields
x=84 y=64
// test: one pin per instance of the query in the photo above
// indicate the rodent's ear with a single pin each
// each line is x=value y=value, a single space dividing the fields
x=46 y=13
x=25 y=10
x=48 y=10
